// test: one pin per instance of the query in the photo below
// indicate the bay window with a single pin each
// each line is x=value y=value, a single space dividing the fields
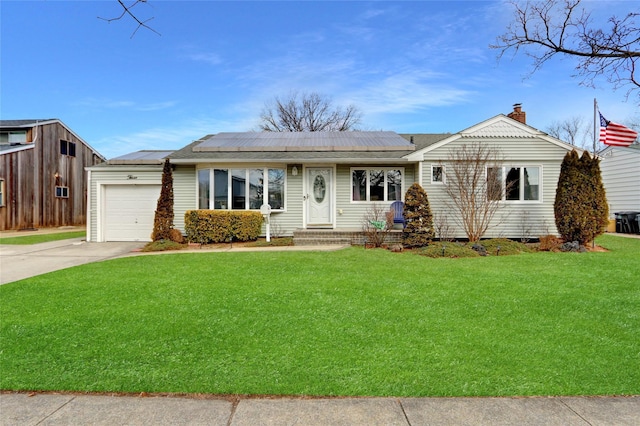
x=376 y=184
x=240 y=189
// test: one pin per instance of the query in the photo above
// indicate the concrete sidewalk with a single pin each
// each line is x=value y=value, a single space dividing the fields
x=69 y=409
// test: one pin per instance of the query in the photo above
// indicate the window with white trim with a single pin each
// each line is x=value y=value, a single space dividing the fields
x=377 y=184
x=517 y=183
x=241 y=188
x=437 y=174
x=2 y=193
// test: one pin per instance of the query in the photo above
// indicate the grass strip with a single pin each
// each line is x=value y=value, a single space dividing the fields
x=42 y=238
x=350 y=322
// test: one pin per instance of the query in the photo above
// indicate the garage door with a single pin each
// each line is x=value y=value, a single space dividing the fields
x=129 y=212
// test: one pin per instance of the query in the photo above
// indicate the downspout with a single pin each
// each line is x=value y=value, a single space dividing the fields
x=35 y=138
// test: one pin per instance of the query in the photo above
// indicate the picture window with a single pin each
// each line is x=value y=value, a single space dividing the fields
x=241 y=189
x=377 y=184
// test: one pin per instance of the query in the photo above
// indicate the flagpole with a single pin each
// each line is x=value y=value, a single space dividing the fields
x=595 y=125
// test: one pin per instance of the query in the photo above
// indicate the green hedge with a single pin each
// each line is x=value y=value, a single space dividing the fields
x=217 y=226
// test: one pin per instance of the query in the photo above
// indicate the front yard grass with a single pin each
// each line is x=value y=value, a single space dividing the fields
x=349 y=322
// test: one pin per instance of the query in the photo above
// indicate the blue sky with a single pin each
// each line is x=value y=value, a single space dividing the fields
x=409 y=66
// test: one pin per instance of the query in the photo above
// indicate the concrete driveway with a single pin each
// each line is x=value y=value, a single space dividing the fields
x=24 y=261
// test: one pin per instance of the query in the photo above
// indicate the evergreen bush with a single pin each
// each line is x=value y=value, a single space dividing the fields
x=418 y=231
x=163 y=220
x=580 y=208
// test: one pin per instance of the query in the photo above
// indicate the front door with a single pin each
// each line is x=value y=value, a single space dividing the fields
x=319 y=208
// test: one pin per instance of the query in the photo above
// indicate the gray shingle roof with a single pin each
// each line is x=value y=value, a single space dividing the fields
x=341 y=155
x=24 y=122
x=141 y=157
x=303 y=141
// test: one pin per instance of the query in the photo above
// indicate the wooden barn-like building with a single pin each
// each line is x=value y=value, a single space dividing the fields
x=42 y=174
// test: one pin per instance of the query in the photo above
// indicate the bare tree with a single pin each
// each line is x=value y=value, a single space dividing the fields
x=127 y=11
x=309 y=113
x=546 y=28
x=572 y=130
x=475 y=186
x=377 y=223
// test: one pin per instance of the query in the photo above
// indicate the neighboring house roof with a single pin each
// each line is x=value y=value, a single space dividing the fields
x=6 y=149
x=30 y=123
x=25 y=122
x=141 y=157
x=340 y=147
x=633 y=148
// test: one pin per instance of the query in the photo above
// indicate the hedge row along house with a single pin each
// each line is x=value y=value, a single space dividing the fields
x=324 y=182
x=42 y=177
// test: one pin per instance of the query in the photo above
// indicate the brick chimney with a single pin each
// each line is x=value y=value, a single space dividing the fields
x=518 y=114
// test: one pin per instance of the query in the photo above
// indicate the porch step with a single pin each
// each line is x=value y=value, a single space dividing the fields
x=310 y=237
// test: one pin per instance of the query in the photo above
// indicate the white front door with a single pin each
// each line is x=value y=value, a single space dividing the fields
x=319 y=196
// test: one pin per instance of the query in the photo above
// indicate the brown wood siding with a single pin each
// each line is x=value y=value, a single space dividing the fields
x=30 y=181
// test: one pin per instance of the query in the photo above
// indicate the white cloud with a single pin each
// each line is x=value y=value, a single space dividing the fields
x=209 y=58
x=96 y=103
x=406 y=92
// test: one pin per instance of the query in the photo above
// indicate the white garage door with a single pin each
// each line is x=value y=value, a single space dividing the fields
x=129 y=212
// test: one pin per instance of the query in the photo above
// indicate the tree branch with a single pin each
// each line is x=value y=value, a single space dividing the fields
x=127 y=11
x=554 y=27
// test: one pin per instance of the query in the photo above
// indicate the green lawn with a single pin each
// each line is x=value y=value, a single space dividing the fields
x=42 y=238
x=351 y=322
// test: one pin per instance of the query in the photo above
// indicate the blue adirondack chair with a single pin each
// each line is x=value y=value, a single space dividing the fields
x=397 y=207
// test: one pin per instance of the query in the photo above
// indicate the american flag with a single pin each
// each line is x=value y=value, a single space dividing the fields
x=616 y=134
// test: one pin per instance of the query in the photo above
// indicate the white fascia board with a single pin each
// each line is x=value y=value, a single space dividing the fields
x=295 y=161
x=124 y=168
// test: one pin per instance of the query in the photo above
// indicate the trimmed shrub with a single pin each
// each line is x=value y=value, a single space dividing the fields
x=218 y=226
x=418 y=231
x=599 y=219
x=580 y=207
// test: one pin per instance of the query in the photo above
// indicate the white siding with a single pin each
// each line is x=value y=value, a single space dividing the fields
x=291 y=219
x=114 y=175
x=620 y=169
x=184 y=194
x=349 y=214
x=514 y=219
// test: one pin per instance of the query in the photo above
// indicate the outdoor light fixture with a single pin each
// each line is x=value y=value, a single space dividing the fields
x=294 y=171
x=444 y=247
